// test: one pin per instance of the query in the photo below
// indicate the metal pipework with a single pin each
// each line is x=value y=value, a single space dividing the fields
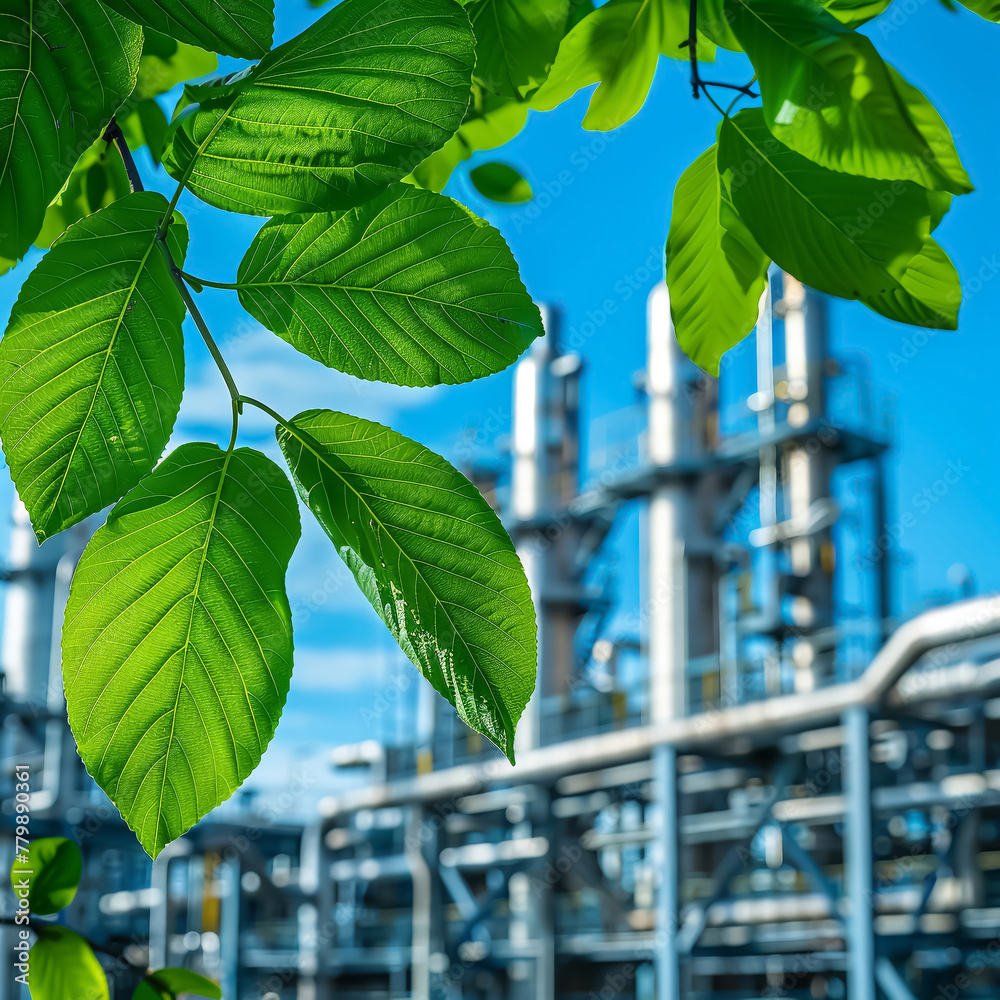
x=956 y=623
x=858 y=857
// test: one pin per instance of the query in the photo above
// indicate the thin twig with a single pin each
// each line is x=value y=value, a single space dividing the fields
x=199 y=321
x=113 y=133
x=697 y=83
x=692 y=43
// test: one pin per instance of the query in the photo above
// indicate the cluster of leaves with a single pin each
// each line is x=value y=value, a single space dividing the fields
x=839 y=176
x=62 y=964
x=177 y=639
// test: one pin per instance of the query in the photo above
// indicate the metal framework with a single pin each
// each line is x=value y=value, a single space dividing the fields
x=757 y=784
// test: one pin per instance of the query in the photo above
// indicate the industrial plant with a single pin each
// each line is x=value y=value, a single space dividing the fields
x=760 y=779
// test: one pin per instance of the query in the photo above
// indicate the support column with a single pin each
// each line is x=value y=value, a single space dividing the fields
x=858 y=858
x=667 y=611
x=668 y=978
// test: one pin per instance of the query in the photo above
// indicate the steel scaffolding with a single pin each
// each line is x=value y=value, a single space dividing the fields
x=760 y=781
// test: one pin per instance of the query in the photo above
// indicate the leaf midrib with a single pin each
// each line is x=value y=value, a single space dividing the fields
x=195 y=590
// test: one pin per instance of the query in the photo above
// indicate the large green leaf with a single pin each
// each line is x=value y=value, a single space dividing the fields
x=516 y=41
x=177 y=643
x=828 y=95
x=98 y=53
x=410 y=288
x=92 y=364
x=493 y=122
x=168 y=984
x=618 y=46
x=431 y=556
x=62 y=966
x=989 y=9
x=48 y=873
x=240 y=28
x=60 y=83
x=334 y=116
x=850 y=236
x=713 y=23
x=716 y=272
x=38 y=144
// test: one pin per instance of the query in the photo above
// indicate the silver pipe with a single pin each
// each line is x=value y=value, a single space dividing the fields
x=55 y=726
x=940 y=627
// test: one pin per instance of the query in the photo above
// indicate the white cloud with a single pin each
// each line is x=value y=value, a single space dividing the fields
x=345 y=669
x=271 y=370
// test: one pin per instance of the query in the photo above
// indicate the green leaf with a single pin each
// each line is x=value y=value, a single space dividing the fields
x=97 y=180
x=168 y=984
x=92 y=364
x=988 y=9
x=845 y=235
x=334 y=116
x=410 y=288
x=854 y=13
x=48 y=875
x=516 y=41
x=97 y=52
x=165 y=62
x=177 y=643
x=618 y=46
x=497 y=121
x=716 y=272
x=38 y=144
x=431 y=556
x=63 y=967
x=501 y=182
x=63 y=72
x=828 y=95
x=241 y=28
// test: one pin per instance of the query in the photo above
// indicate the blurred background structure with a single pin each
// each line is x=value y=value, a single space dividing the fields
x=757 y=780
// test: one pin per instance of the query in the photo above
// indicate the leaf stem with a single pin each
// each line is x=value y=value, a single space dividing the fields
x=113 y=133
x=169 y=213
x=267 y=409
x=194 y=280
x=199 y=321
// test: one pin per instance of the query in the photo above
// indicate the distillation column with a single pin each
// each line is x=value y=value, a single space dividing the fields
x=807 y=483
x=544 y=478
x=668 y=603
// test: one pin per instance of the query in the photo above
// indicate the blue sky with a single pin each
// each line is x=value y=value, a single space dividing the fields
x=594 y=233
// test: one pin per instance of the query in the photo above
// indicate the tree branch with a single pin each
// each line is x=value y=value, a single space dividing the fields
x=113 y=133
x=697 y=83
